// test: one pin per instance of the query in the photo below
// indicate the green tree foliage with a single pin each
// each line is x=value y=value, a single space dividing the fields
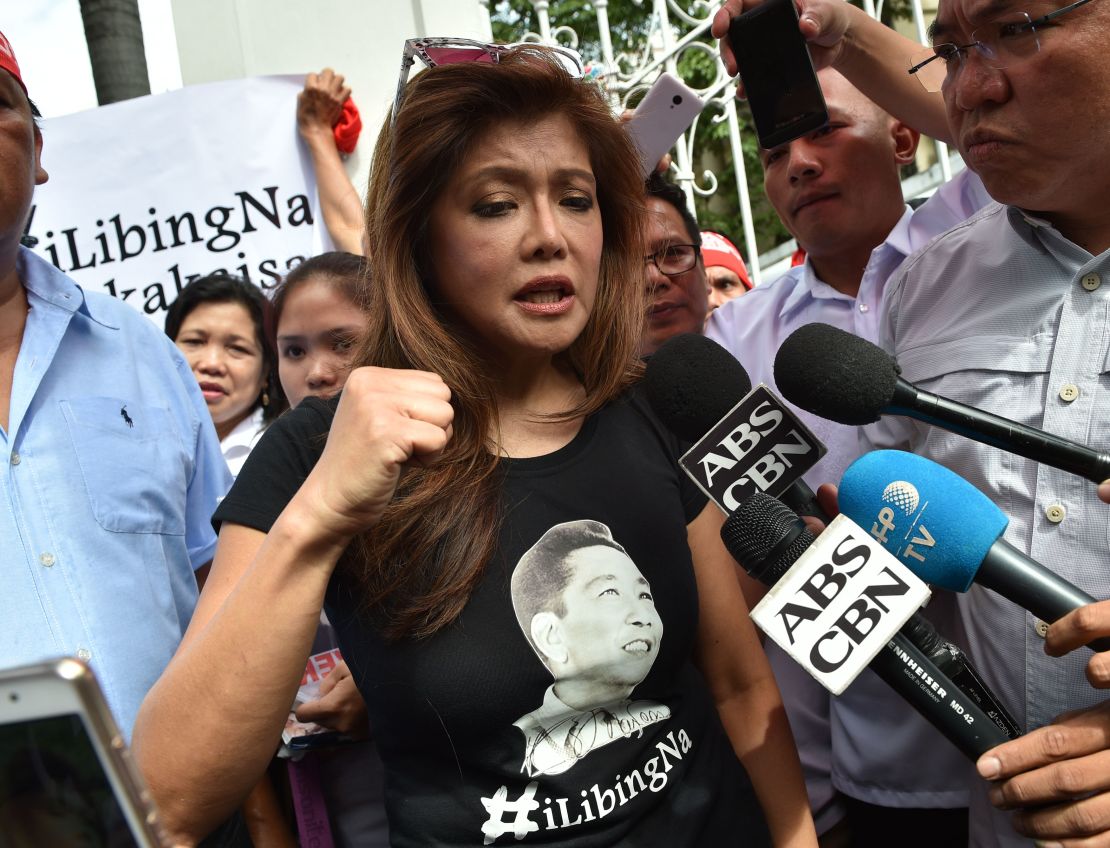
x=721 y=211
x=629 y=22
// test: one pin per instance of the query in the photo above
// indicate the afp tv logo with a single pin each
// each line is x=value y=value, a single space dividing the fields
x=916 y=539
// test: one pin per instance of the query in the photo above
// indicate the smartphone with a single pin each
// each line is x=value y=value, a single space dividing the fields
x=664 y=114
x=777 y=71
x=66 y=776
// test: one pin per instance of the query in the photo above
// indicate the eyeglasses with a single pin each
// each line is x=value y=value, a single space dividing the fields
x=1000 y=43
x=675 y=259
x=434 y=52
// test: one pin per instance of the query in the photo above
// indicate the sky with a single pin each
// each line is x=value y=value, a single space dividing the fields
x=49 y=43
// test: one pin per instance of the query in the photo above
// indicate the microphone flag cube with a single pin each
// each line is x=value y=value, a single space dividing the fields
x=759 y=446
x=839 y=604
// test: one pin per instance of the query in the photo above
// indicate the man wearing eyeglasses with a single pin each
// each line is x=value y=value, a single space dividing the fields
x=679 y=295
x=837 y=190
x=1010 y=312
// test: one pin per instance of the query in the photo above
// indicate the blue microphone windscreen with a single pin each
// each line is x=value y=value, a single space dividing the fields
x=936 y=523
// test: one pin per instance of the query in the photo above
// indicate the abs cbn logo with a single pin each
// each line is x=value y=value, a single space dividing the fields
x=760 y=446
x=839 y=604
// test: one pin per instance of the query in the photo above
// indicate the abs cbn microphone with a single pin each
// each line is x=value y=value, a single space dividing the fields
x=744 y=440
x=950 y=534
x=847 y=379
x=827 y=599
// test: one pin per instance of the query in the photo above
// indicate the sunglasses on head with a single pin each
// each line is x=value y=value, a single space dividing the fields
x=435 y=52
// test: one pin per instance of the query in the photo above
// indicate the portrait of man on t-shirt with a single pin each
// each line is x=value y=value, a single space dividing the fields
x=588 y=613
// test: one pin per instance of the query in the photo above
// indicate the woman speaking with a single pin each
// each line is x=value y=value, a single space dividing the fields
x=615 y=692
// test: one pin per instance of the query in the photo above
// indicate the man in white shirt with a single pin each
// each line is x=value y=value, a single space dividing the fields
x=838 y=192
x=1010 y=313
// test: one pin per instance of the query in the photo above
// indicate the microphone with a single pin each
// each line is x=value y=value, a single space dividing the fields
x=847 y=379
x=929 y=673
x=692 y=384
x=950 y=534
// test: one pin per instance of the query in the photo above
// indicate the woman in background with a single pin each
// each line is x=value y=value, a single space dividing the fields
x=220 y=323
x=319 y=324
x=495 y=405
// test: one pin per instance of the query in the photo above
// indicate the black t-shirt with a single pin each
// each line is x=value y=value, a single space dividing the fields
x=562 y=707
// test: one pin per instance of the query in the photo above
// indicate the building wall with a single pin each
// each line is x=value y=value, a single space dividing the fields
x=361 y=39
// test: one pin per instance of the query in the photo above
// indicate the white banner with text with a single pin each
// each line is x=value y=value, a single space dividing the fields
x=150 y=193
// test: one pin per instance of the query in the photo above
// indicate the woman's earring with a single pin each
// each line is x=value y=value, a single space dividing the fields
x=265 y=398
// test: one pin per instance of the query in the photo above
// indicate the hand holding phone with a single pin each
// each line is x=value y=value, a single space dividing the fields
x=75 y=773
x=777 y=72
x=664 y=114
x=823 y=23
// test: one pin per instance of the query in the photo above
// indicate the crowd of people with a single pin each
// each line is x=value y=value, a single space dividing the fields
x=431 y=448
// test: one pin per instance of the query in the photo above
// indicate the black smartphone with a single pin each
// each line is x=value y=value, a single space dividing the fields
x=777 y=71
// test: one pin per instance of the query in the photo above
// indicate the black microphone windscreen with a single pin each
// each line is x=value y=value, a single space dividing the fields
x=692 y=382
x=765 y=537
x=835 y=375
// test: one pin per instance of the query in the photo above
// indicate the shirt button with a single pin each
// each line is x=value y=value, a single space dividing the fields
x=1041 y=628
x=15 y=458
x=1055 y=513
x=46 y=559
x=84 y=654
x=1069 y=392
x=863 y=307
x=1091 y=281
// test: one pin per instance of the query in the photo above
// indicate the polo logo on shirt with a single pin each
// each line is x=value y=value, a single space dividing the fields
x=125 y=416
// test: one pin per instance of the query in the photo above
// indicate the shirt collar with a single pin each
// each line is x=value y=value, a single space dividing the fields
x=811 y=286
x=1029 y=218
x=1043 y=235
x=899 y=238
x=242 y=436
x=47 y=283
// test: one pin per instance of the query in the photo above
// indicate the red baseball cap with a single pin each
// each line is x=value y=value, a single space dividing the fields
x=716 y=250
x=8 y=62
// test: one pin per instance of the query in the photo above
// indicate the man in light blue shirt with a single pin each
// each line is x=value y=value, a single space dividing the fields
x=838 y=191
x=111 y=467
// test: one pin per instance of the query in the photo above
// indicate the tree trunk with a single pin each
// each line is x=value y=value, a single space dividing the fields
x=114 y=35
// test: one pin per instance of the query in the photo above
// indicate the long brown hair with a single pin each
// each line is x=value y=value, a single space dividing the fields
x=420 y=563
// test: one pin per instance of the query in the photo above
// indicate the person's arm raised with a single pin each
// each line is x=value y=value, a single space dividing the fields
x=236 y=672
x=731 y=658
x=318 y=108
x=873 y=57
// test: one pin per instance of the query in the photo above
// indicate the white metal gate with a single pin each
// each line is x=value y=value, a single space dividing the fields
x=672 y=31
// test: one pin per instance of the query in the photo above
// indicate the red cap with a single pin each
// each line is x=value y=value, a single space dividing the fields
x=716 y=250
x=8 y=62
